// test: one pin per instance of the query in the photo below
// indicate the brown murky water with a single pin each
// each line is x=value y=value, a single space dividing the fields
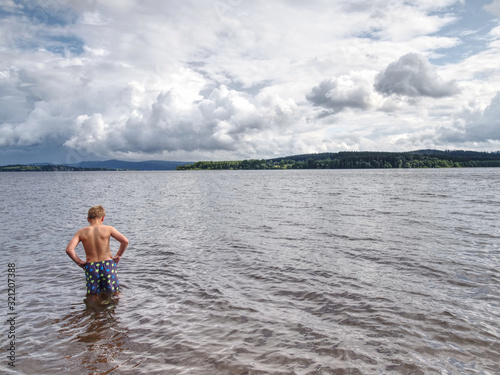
x=261 y=272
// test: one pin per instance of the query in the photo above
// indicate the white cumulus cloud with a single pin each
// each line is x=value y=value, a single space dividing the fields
x=344 y=92
x=225 y=120
x=412 y=75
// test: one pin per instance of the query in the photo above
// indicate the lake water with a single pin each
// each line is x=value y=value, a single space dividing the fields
x=259 y=272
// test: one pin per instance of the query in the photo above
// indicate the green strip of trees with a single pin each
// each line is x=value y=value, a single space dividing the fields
x=360 y=160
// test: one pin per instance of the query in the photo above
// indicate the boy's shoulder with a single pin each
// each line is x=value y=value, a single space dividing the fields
x=88 y=228
x=108 y=229
x=81 y=230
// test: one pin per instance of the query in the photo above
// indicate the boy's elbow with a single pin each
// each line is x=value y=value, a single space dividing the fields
x=125 y=241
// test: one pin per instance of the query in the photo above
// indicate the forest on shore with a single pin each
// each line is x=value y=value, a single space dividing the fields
x=360 y=160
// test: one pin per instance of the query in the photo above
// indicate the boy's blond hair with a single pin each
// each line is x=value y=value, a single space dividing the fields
x=96 y=212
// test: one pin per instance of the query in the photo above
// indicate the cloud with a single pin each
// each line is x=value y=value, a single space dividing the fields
x=486 y=125
x=474 y=124
x=493 y=8
x=225 y=120
x=413 y=76
x=339 y=93
x=10 y=6
x=397 y=20
x=39 y=101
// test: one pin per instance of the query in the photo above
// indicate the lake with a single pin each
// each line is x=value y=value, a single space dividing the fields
x=259 y=272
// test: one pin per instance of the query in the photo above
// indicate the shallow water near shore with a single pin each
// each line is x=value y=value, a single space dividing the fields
x=260 y=272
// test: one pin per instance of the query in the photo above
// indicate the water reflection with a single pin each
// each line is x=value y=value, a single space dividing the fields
x=95 y=340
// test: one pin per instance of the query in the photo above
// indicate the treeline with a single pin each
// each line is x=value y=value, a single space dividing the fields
x=46 y=168
x=360 y=160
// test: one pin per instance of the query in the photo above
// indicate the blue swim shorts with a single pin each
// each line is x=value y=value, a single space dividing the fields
x=101 y=277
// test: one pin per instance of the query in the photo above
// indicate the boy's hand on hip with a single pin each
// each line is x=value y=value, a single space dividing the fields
x=117 y=258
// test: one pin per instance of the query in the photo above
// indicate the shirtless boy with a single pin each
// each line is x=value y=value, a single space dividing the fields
x=100 y=266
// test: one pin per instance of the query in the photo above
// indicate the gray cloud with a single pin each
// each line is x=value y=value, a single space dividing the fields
x=337 y=94
x=223 y=121
x=493 y=8
x=486 y=125
x=413 y=76
x=474 y=125
x=15 y=106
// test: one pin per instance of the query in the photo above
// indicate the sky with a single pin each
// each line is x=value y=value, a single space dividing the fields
x=189 y=80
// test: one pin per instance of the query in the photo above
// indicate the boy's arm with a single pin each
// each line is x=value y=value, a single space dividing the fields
x=70 y=250
x=123 y=244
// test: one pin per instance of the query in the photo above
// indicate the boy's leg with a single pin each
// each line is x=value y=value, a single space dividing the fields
x=92 y=277
x=108 y=277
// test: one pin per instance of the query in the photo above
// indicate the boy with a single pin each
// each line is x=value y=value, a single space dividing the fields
x=100 y=266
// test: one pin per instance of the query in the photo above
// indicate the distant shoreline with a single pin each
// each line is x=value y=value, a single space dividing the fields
x=49 y=168
x=106 y=165
x=338 y=160
x=360 y=160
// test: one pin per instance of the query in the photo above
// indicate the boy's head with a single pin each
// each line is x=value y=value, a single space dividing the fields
x=96 y=212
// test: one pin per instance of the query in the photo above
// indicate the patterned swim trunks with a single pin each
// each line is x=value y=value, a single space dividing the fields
x=101 y=277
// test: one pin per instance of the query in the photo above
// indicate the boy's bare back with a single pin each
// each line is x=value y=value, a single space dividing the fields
x=95 y=239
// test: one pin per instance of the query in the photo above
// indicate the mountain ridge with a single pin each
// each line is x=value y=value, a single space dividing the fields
x=147 y=165
x=161 y=165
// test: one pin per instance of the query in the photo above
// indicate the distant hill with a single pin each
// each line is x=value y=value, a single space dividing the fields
x=336 y=160
x=46 y=168
x=360 y=160
x=149 y=165
x=476 y=155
